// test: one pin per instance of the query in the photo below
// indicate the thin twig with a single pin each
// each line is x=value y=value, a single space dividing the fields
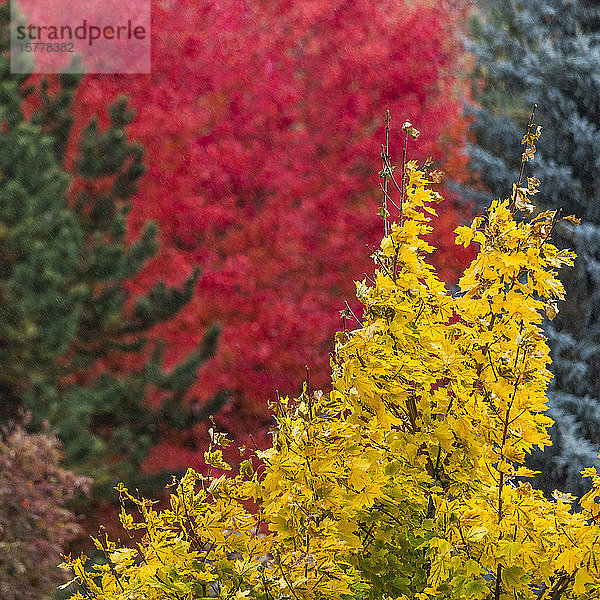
x=403 y=193
x=279 y=405
x=523 y=161
x=384 y=155
x=498 y=577
x=257 y=448
x=393 y=179
x=350 y=311
x=367 y=532
x=287 y=582
x=555 y=220
x=381 y=263
x=369 y=279
x=388 y=196
x=308 y=393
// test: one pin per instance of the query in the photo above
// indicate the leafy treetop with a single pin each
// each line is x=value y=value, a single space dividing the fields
x=406 y=479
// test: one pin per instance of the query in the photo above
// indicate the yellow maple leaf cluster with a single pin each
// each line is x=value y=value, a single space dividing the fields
x=405 y=480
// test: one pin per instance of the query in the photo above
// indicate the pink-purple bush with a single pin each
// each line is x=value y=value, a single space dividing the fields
x=35 y=524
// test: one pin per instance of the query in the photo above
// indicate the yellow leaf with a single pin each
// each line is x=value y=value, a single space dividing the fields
x=357 y=479
x=581 y=578
x=464 y=235
x=476 y=534
x=472 y=567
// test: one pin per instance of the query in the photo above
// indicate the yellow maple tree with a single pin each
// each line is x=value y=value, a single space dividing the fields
x=406 y=480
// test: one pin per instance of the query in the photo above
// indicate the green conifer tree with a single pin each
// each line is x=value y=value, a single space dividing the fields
x=548 y=53
x=104 y=415
x=40 y=242
x=67 y=319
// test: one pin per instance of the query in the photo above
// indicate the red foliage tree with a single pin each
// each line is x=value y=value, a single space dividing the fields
x=262 y=122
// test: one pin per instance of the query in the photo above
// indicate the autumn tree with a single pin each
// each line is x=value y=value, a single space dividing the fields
x=260 y=121
x=405 y=479
x=547 y=53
